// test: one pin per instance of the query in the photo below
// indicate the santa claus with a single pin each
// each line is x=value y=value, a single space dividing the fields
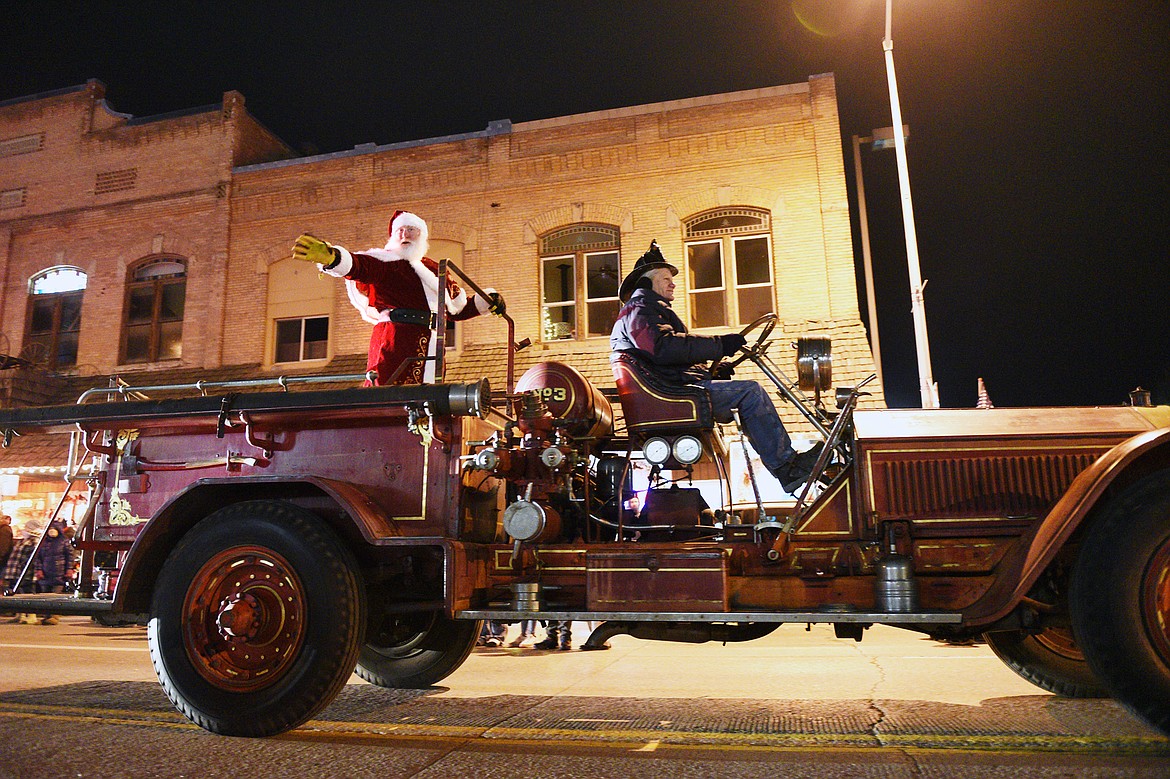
x=396 y=289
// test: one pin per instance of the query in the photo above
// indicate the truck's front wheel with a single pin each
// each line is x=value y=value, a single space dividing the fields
x=413 y=651
x=1120 y=599
x=257 y=619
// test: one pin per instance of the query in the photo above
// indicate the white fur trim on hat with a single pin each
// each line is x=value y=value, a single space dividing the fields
x=407 y=218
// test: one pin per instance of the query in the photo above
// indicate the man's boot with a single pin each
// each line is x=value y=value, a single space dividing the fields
x=800 y=467
x=550 y=638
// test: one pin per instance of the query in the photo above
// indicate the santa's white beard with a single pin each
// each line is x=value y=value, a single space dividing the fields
x=416 y=251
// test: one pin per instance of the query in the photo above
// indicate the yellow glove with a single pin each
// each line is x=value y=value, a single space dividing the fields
x=498 y=306
x=311 y=249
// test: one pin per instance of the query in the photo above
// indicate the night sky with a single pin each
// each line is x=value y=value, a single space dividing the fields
x=1039 y=151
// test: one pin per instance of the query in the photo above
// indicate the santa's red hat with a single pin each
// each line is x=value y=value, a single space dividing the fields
x=401 y=218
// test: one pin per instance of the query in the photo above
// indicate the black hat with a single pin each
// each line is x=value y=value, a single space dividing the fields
x=651 y=260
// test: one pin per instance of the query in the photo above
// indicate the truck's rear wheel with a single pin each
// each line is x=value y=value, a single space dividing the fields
x=1120 y=599
x=257 y=619
x=413 y=651
x=1050 y=660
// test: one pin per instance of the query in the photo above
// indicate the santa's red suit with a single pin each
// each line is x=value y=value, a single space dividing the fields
x=383 y=281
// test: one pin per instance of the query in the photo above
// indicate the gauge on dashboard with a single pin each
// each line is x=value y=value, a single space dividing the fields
x=688 y=449
x=656 y=450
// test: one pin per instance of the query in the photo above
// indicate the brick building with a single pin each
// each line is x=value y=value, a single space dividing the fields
x=157 y=248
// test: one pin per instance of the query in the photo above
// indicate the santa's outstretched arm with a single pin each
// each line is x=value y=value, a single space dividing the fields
x=310 y=248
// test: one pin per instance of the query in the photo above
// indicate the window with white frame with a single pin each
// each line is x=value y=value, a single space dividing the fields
x=299 y=310
x=729 y=267
x=303 y=338
x=580 y=270
x=54 y=316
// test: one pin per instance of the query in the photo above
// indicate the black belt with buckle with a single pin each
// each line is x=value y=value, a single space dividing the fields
x=413 y=316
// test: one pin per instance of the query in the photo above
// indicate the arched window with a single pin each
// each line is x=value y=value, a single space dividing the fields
x=580 y=271
x=152 y=325
x=54 y=316
x=729 y=267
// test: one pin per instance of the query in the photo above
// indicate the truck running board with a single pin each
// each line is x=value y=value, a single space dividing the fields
x=865 y=617
x=56 y=604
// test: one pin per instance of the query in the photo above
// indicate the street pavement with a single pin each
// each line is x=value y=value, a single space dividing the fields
x=77 y=699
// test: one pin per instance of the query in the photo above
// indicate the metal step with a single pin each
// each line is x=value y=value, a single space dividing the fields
x=68 y=604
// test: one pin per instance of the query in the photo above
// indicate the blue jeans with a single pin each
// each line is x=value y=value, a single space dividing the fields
x=760 y=421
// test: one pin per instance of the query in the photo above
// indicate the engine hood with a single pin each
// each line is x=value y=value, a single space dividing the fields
x=1007 y=422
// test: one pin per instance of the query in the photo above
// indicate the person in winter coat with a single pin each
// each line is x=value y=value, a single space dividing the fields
x=5 y=543
x=651 y=332
x=52 y=563
x=22 y=552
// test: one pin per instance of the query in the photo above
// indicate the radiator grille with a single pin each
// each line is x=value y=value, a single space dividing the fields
x=980 y=485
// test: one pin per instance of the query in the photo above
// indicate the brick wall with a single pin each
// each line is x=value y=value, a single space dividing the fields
x=102 y=190
x=645 y=169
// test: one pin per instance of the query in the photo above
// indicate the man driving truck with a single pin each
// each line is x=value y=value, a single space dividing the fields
x=650 y=331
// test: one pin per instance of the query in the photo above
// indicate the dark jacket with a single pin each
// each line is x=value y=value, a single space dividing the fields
x=54 y=558
x=649 y=329
x=17 y=559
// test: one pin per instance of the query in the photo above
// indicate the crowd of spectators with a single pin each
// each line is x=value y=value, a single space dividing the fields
x=35 y=558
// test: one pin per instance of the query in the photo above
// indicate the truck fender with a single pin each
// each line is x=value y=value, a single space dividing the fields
x=156 y=540
x=1128 y=461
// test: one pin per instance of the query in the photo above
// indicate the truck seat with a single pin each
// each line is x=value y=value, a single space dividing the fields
x=652 y=406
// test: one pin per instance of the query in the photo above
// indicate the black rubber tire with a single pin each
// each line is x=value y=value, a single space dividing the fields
x=1120 y=598
x=1050 y=660
x=329 y=623
x=413 y=651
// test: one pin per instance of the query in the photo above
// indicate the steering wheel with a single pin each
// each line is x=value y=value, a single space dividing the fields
x=768 y=323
